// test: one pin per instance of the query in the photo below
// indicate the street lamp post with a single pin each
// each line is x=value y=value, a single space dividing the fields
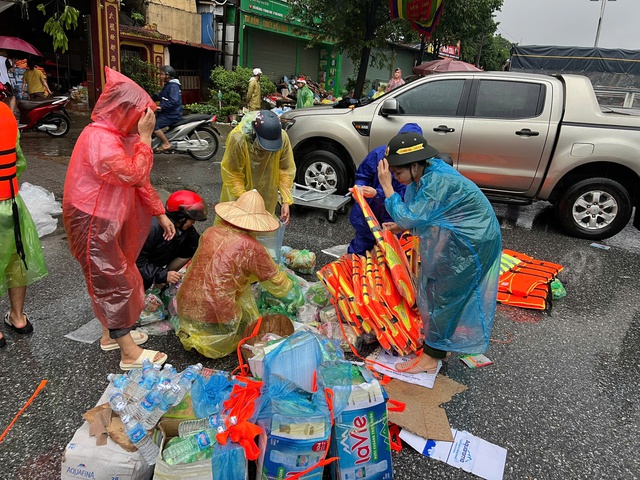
x=604 y=3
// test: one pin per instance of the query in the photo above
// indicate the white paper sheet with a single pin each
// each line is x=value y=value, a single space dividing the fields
x=468 y=452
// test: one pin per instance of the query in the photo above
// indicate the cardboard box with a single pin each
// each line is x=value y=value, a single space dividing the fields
x=361 y=435
x=200 y=470
x=280 y=456
x=83 y=459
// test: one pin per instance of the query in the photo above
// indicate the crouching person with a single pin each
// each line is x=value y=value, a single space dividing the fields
x=215 y=301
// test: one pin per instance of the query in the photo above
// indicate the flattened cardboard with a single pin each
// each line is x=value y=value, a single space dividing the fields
x=423 y=414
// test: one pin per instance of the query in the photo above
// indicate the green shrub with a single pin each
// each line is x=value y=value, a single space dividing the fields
x=234 y=83
x=141 y=72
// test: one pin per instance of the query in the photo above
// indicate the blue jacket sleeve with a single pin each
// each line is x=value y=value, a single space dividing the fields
x=170 y=99
x=367 y=172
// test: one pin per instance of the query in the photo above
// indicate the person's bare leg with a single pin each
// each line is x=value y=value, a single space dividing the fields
x=165 y=143
x=105 y=339
x=129 y=351
x=16 y=299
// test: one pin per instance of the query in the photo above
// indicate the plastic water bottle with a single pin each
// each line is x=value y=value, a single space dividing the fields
x=293 y=460
x=139 y=437
x=363 y=471
x=218 y=421
x=186 y=379
x=181 y=452
x=168 y=400
x=145 y=407
x=167 y=374
x=146 y=383
x=117 y=400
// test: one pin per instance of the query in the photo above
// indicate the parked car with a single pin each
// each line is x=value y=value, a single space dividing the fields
x=519 y=137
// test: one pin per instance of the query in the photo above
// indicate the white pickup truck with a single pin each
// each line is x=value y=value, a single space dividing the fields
x=520 y=137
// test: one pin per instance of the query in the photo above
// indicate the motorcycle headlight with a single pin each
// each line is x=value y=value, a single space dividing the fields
x=287 y=123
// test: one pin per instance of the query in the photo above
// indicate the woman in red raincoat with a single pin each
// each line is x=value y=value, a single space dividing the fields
x=107 y=208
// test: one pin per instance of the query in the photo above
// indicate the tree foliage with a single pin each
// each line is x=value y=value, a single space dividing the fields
x=355 y=27
x=471 y=23
x=233 y=85
x=65 y=18
x=141 y=72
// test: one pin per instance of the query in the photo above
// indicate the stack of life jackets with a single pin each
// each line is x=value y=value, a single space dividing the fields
x=376 y=293
x=524 y=281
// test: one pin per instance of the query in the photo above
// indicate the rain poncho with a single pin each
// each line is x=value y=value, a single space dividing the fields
x=253 y=94
x=215 y=301
x=305 y=97
x=108 y=202
x=246 y=166
x=12 y=269
x=367 y=175
x=460 y=246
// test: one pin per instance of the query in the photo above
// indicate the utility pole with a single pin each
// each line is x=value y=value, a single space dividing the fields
x=602 y=7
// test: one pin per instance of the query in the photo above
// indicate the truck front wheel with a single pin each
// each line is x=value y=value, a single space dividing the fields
x=594 y=209
x=323 y=170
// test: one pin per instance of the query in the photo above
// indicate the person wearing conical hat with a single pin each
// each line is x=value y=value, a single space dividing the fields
x=215 y=301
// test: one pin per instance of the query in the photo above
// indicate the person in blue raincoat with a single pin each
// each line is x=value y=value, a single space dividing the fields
x=460 y=248
x=170 y=109
x=367 y=177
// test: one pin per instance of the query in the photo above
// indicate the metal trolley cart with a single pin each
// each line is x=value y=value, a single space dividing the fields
x=323 y=199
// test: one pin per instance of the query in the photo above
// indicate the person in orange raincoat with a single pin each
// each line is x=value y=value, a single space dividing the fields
x=107 y=207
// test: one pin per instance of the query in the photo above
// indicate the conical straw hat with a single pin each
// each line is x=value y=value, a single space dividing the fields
x=248 y=212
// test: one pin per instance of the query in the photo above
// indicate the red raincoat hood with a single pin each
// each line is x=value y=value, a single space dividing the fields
x=121 y=103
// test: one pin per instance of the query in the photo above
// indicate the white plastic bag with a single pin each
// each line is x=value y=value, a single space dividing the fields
x=41 y=204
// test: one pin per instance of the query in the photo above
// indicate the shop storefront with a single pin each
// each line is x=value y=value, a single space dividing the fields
x=267 y=40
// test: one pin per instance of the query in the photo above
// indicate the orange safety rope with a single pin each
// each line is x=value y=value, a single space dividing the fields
x=15 y=419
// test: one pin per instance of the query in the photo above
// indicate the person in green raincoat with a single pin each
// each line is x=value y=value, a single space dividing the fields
x=305 y=95
x=258 y=155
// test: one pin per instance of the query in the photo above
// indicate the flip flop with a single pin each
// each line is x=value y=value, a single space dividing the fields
x=28 y=328
x=138 y=337
x=150 y=354
x=163 y=150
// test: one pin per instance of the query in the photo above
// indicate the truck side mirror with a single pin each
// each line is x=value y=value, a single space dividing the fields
x=389 y=107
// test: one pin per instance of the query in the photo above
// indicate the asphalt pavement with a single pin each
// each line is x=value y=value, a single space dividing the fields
x=562 y=395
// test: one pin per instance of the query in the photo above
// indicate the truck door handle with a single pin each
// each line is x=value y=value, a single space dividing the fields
x=526 y=132
x=444 y=129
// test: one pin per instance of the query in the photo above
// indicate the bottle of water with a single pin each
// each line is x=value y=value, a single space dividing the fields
x=167 y=374
x=139 y=437
x=181 y=452
x=218 y=421
x=293 y=460
x=168 y=400
x=145 y=407
x=186 y=379
x=117 y=400
x=146 y=383
x=363 y=471
x=119 y=380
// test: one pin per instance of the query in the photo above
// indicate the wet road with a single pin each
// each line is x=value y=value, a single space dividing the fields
x=562 y=397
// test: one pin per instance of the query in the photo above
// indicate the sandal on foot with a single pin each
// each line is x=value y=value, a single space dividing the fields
x=138 y=338
x=150 y=354
x=412 y=367
x=28 y=328
x=163 y=149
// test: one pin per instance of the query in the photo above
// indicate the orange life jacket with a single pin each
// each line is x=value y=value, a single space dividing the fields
x=526 y=284
x=8 y=171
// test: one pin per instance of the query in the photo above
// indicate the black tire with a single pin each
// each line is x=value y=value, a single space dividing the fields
x=60 y=121
x=594 y=209
x=210 y=136
x=322 y=170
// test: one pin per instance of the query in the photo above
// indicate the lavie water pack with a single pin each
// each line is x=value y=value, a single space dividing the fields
x=361 y=435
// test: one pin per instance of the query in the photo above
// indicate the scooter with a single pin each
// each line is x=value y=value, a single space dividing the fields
x=193 y=134
x=47 y=116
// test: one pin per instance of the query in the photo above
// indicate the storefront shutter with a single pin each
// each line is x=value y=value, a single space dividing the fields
x=309 y=59
x=274 y=54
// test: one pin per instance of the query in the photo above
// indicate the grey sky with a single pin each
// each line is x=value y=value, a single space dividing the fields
x=570 y=22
